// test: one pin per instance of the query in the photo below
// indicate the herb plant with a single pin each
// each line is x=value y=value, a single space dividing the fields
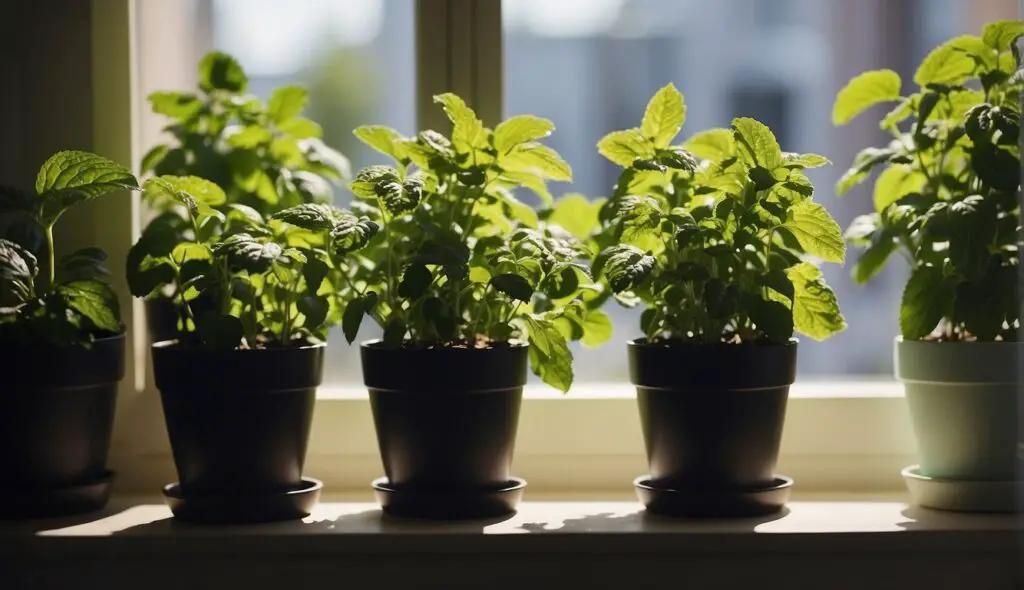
x=42 y=299
x=267 y=157
x=461 y=261
x=267 y=279
x=947 y=196
x=711 y=236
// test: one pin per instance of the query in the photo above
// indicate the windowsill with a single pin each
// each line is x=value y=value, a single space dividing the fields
x=810 y=538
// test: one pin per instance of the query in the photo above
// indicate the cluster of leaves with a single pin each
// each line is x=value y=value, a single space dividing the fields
x=265 y=156
x=711 y=235
x=947 y=194
x=462 y=261
x=242 y=280
x=44 y=300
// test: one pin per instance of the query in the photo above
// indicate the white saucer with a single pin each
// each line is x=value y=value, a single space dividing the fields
x=963 y=496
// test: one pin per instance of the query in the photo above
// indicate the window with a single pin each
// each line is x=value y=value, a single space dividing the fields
x=591 y=65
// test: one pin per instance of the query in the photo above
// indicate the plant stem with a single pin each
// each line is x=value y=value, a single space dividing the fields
x=51 y=259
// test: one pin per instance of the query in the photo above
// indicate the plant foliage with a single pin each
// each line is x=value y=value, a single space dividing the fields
x=947 y=194
x=716 y=236
x=242 y=281
x=48 y=300
x=461 y=260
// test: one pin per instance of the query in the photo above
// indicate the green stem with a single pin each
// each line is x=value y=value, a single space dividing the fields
x=286 y=329
x=51 y=259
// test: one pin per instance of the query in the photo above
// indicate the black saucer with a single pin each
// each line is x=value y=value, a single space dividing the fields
x=242 y=508
x=35 y=503
x=714 y=504
x=449 y=504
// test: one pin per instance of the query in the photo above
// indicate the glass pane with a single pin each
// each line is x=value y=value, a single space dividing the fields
x=356 y=58
x=591 y=66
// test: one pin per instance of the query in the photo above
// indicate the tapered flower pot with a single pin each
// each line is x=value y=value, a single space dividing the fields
x=446 y=422
x=238 y=422
x=712 y=419
x=963 y=405
x=56 y=418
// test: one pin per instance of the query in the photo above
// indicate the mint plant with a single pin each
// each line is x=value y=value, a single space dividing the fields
x=42 y=299
x=268 y=279
x=461 y=261
x=715 y=237
x=946 y=197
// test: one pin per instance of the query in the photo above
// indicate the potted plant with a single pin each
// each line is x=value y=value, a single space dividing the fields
x=947 y=200
x=61 y=346
x=267 y=157
x=714 y=238
x=239 y=385
x=468 y=286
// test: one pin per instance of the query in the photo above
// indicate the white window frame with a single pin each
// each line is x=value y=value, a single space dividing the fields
x=840 y=436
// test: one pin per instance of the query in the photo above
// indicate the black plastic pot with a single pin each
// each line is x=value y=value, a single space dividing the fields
x=238 y=420
x=712 y=415
x=56 y=417
x=446 y=418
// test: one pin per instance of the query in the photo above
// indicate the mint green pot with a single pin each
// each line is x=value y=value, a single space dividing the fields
x=963 y=405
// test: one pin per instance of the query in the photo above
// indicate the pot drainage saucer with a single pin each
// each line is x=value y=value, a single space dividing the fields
x=962 y=495
x=703 y=503
x=41 y=503
x=448 y=503
x=242 y=508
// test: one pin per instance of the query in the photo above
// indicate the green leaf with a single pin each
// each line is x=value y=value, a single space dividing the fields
x=758 y=142
x=894 y=183
x=576 y=214
x=354 y=312
x=514 y=286
x=537 y=159
x=467 y=130
x=71 y=177
x=996 y=167
x=791 y=160
x=899 y=113
x=863 y=92
x=395 y=332
x=180 y=106
x=95 y=300
x=771 y=318
x=365 y=183
x=198 y=195
x=383 y=139
x=762 y=178
x=863 y=163
x=597 y=329
x=250 y=137
x=351 y=233
x=287 y=102
x=664 y=116
x=220 y=71
x=815 y=307
x=625 y=147
x=712 y=144
x=415 y=281
x=550 y=358
x=220 y=332
x=927 y=298
x=973 y=229
x=1001 y=35
x=300 y=128
x=243 y=251
x=315 y=217
x=872 y=260
x=946 y=64
x=981 y=304
x=624 y=265
x=819 y=235
x=520 y=129
x=778 y=281
x=315 y=308
x=17 y=263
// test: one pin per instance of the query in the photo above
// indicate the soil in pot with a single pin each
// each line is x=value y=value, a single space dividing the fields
x=446 y=418
x=712 y=415
x=56 y=419
x=238 y=420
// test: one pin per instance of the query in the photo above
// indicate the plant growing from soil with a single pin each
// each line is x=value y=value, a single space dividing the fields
x=947 y=195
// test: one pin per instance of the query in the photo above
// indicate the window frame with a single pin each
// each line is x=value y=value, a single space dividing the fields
x=842 y=435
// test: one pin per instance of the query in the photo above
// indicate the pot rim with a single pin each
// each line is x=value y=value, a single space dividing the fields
x=174 y=344
x=642 y=343
x=378 y=344
x=956 y=363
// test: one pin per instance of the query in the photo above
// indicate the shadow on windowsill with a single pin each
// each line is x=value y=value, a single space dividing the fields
x=641 y=520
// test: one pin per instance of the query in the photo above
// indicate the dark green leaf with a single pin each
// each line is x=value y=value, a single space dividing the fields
x=243 y=251
x=415 y=281
x=772 y=318
x=352 y=233
x=779 y=281
x=220 y=71
x=72 y=177
x=395 y=332
x=95 y=300
x=315 y=308
x=927 y=298
x=315 y=217
x=354 y=312
x=624 y=265
x=220 y=332
x=514 y=286
x=973 y=226
x=762 y=178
